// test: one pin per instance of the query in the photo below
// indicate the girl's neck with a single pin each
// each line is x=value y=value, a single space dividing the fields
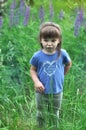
x=49 y=53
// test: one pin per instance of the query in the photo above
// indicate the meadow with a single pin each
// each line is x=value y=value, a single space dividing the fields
x=18 y=42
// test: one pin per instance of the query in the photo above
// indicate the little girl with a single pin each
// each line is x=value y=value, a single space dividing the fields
x=48 y=67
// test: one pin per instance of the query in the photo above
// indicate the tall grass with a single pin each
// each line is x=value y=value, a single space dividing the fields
x=17 y=95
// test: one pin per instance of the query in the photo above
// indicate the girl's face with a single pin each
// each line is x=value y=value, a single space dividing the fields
x=49 y=44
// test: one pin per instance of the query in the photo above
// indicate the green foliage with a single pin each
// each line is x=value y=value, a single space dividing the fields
x=17 y=97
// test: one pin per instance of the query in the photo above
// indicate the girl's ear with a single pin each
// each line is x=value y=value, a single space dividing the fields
x=58 y=40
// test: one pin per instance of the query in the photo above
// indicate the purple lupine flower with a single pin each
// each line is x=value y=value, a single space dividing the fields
x=12 y=7
x=41 y=14
x=76 y=30
x=17 y=17
x=80 y=17
x=61 y=15
x=27 y=15
x=85 y=25
x=1 y=21
x=11 y=17
x=51 y=11
x=78 y=22
x=22 y=7
x=76 y=9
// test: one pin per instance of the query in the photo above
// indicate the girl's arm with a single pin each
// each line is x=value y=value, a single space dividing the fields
x=38 y=85
x=67 y=67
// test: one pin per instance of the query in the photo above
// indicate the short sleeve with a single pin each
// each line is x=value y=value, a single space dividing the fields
x=66 y=57
x=33 y=61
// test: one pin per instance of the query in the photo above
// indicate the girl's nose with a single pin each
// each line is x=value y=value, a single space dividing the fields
x=49 y=43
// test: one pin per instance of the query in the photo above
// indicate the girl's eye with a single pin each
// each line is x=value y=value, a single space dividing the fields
x=53 y=40
x=46 y=40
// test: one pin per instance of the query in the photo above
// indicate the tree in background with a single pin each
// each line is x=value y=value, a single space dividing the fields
x=2 y=6
x=30 y=2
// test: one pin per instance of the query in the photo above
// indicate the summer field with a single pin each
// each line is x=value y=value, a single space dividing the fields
x=18 y=41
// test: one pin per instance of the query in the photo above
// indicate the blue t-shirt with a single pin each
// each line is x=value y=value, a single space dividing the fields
x=50 y=69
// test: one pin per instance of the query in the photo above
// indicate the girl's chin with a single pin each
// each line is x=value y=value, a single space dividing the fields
x=50 y=50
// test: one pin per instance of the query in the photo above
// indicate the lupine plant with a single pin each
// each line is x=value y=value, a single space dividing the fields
x=1 y=22
x=78 y=22
x=41 y=14
x=19 y=14
x=51 y=11
x=17 y=45
x=12 y=11
x=22 y=7
x=27 y=15
x=61 y=15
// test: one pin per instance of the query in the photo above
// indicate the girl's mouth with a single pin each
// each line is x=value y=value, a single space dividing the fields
x=49 y=48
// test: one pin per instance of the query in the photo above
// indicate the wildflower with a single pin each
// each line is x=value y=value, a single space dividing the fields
x=27 y=14
x=84 y=25
x=11 y=17
x=61 y=15
x=1 y=21
x=16 y=18
x=1 y=58
x=22 y=7
x=81 y=16
x=78 y=22
x=12 y=7
x=41 y=14
x=76 y=30
x=51 y=11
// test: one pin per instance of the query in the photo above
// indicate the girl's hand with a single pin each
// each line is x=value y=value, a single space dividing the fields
x=39 y=86
x=67 y=67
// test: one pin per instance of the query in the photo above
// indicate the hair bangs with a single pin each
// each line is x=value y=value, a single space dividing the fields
x=49 y=32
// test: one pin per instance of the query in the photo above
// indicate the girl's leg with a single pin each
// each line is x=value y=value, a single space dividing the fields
x=55 y=105
x=41 y=105
x=52 y=103
x=57 y=101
